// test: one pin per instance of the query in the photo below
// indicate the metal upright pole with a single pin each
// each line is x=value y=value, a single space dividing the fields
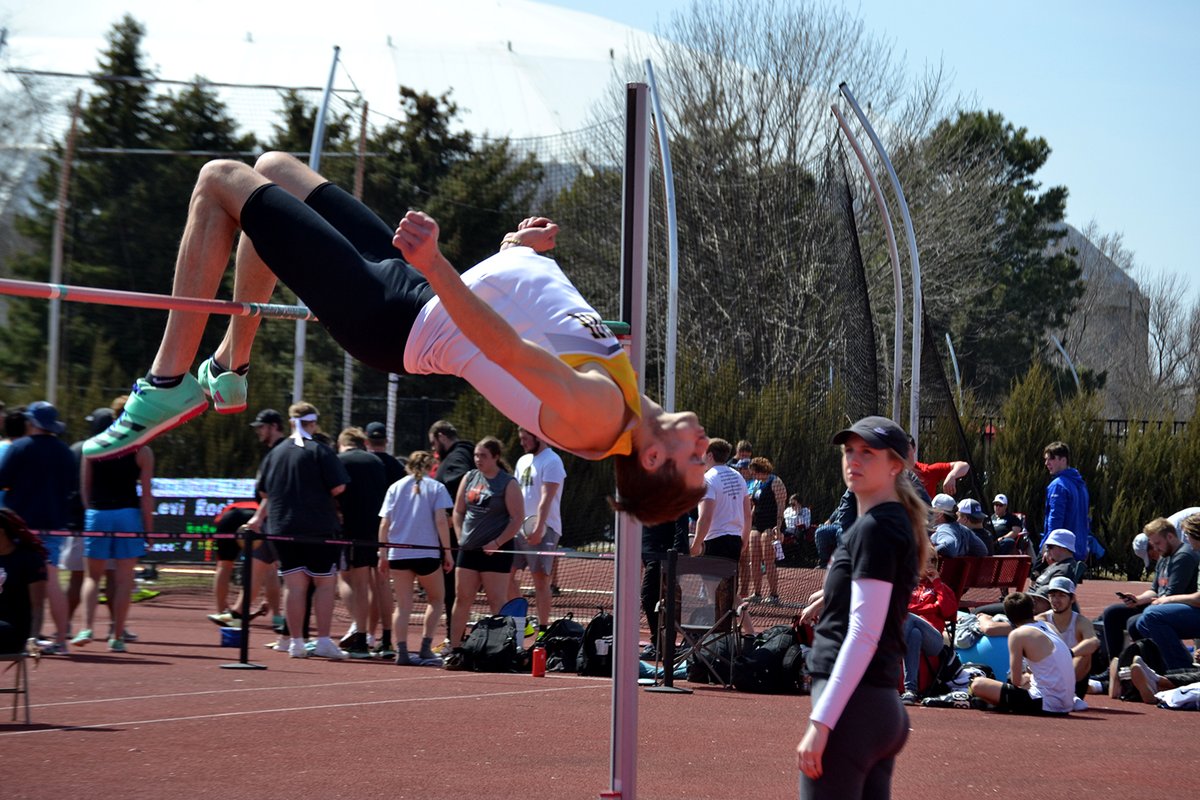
x=314 y=161
x=347 y=359
x=53 y=345
x=635 y=224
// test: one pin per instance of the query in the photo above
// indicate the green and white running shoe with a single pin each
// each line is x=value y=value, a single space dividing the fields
x=150 y=410
x=227 y=390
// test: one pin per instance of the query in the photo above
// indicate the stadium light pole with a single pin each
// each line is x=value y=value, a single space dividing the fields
x=914 y=410
x=672 y=333
x=893 y=256
x=54 y=333
x=314 y=162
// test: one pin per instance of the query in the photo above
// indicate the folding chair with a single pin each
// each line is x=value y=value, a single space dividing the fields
x=708 y=617
x=19 y=665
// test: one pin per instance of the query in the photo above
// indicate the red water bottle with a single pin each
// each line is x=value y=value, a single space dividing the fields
x=539 y=662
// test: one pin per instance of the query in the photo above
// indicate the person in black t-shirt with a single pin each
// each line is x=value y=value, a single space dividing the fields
x=298 y=482
x=858 y=725
x=360 y=505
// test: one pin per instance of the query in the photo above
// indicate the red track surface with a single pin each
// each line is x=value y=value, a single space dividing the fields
x=164 y=719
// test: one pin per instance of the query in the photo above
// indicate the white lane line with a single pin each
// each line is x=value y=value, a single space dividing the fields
x=479 y=696
x=231 y=690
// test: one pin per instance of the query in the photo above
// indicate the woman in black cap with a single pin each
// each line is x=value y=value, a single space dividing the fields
x=858 y=725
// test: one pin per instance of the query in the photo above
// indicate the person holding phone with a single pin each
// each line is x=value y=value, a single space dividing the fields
x=1174 y=574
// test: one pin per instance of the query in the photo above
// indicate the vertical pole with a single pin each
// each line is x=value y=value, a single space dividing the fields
x=664 y=147
x=635 y=223
x=56 y=254
x=347 y=360
x=314 y=161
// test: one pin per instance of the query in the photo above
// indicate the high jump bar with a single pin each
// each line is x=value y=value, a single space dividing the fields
x=117 y=297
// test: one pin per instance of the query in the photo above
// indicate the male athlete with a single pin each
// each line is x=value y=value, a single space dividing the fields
x=513 y=326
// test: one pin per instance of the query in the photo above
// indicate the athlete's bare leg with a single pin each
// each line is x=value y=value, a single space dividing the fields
x=222 y=188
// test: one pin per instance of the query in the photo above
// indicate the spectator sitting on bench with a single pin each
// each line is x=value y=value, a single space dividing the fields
x=1172 y=617
x=1048 y=687
x=971 y=516
x=930 y=607
x=951 y=538
x=1175 y=574
x=1008 y=527
x=1058 y=554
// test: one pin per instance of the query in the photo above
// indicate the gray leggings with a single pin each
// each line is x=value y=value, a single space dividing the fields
x=862 y=748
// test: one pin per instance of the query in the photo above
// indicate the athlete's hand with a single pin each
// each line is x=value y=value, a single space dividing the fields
x=811 y=749
x=447 y=562
x=535 y=232
x=417 y=240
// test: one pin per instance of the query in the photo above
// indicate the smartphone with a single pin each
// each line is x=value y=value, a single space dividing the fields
x=1125 y=595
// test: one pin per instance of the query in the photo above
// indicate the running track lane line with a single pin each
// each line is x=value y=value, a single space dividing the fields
x=235 y=690
x=227 y=714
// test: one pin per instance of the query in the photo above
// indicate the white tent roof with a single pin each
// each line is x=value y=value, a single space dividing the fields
x=516 y=67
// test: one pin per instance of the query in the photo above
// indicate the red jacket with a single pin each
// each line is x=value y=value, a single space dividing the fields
x=933 y=602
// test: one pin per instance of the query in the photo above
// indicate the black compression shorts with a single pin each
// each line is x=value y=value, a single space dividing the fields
x=337 y=256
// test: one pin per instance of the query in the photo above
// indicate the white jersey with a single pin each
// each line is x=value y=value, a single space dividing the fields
x=534 y=471
x=726 y=488
x=1053 y=678
x=532 y=295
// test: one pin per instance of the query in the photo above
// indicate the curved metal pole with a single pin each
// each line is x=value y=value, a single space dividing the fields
x=957 y=374
x=914 y=411
x=1070 y=363
x=314 y=162
x=672 y=334
x=897 y=282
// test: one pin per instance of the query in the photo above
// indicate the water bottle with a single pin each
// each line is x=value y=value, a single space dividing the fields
x=539 y=662
x=778 y=550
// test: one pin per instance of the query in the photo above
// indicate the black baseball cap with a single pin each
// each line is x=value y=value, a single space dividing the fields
x=878 y=432
x=268 y=416
x=376 y=432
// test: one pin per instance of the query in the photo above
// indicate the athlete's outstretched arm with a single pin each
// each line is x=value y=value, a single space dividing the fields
x=589 y=403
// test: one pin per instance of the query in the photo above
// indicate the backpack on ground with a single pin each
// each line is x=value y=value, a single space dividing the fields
x=773 y=662
x=562 y=642
x=492 y=645
x=1150 y=654
x=595 y=650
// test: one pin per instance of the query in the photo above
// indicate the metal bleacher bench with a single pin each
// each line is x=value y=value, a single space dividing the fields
x=979 y=580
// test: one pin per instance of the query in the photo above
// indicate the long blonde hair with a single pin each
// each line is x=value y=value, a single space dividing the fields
x=918 y=512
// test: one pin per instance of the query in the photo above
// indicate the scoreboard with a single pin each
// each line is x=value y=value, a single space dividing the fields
x=190 y=506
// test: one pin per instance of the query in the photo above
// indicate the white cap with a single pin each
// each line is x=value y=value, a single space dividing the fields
x=944 y=502
x=1061 y=537
x=1141 y=548
x=1061 y=583
x=1001 y=499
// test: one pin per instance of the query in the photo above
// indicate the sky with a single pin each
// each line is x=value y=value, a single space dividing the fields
x=1113 y=87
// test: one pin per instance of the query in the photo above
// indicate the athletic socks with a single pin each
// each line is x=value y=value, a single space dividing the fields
x=164 y=382
x=426 y=648
x=216 y=368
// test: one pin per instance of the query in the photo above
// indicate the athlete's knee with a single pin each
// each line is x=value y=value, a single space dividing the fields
x=274 y=165
x=217 y=175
